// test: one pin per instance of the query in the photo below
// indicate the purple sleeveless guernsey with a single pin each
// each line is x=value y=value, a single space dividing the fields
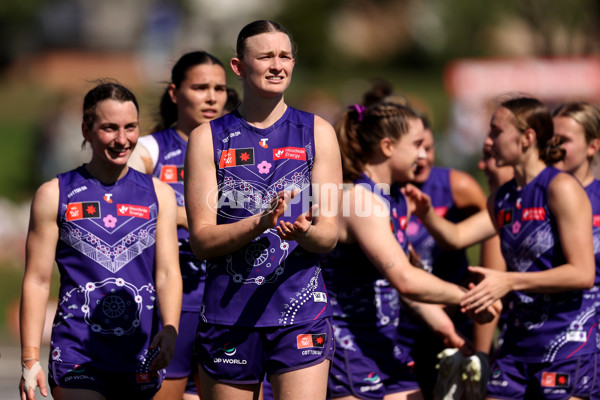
x=107 y=311
x=540 y=327
x=593 y=192
x=169 y=169
x=448 y=265
x=270 y=281
x=451 y=266
x=359 y=294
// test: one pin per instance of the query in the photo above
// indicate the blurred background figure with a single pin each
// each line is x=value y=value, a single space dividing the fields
x=455 y=195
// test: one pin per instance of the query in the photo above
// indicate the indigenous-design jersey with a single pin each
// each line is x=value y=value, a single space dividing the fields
x=359 y=294
x=107 y=312
x=169 y=169
x=448 y=265
x=451 y=266
x=269 y=281
x=593 y=192
x=540 y=327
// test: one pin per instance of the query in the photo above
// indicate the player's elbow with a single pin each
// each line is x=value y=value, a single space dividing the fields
x=588 y=279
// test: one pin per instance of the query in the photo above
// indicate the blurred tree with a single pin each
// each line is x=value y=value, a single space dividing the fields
x=308 y=21
x=561 y=27
x=519 y=27
x=16 y=21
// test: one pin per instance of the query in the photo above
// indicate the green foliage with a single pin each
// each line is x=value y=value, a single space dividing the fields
x=19 y=10
x=16 y=159
x=308 y=22
x=20 y=111
x=11 y=279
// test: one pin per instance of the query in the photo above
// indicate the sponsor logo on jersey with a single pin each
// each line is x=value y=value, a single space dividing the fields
x=87 y=209
x=171 y=173
x=229 y=350
x=131 y=210
x=555 y=379
x=145 y=377
x=172 y=154
x=533 y=214
x=308 y=340
x=236 y=157
x=364 y=389
x=291 y=153
x=597 y=220
x=372 y=378
x=263 y=143
x=76 y=190
x=231 y=135
x=504 y=217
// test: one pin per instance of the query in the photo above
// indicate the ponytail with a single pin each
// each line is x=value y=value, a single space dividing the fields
x=351 y=151
x=360 y=131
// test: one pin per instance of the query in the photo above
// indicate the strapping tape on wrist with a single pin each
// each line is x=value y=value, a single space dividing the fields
x=30 y=375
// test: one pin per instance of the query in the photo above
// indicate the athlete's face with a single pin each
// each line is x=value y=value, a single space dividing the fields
x=495 y=175
x=578 y=152
x=267 y=64
x=425 y=164
x=114 y=133
x=504 y=138
x=201 y=96
x=407 y=151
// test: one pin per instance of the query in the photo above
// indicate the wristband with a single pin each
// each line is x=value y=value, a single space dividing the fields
x=30 y=375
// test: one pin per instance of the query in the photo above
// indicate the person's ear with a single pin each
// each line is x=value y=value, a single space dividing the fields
x=593 y=147
x=237 y=67
x=528 y=138
x=171 y=90
x=387 y=146
x=87 y=135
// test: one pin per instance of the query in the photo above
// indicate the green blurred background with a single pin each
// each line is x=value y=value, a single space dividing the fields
x=52 y=50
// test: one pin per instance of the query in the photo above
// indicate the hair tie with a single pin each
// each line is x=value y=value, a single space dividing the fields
x=360 y=109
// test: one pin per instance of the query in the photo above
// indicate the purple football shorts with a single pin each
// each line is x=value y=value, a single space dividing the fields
x=369 y=363
x=243 y=355
x=511 y=379
x=138 y=386
x=182 y=364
